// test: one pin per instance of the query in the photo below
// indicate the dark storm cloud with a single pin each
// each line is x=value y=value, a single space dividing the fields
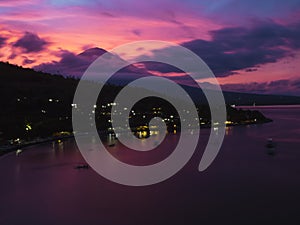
x=296 y=83
x=234 y=49
x=279 y=83
x=31 y=42
x=284 y=86
x=238 y=48
x=27 y=61
x=163 y=68
x=250 y=70
x=2 y=41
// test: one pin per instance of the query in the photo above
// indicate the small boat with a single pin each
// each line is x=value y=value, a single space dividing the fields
x=270 y=146
x=18 y=152
x=111 y=140
x=83 y=166
x=270 y=143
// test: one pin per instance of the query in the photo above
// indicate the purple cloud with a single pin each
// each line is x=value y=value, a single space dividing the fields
x=2 y=41
x=162 y=68
x=137 y=32
x=282 y=87
x=234 y=49
x=238 y=48
x=76 y=65
x=31 y=42
x=27 y=61
x=70 y=63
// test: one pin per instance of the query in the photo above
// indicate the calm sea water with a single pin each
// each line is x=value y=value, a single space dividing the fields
x=244 y=185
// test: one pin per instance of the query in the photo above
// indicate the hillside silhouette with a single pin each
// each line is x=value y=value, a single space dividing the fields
x=42 y=102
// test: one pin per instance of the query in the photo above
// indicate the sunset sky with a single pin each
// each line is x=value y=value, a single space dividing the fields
x=251 y=46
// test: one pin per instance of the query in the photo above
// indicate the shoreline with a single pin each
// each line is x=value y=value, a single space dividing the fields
x=8 y=149
x=267 y=106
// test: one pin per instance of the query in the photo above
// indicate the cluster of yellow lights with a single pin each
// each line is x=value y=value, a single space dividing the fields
x=28 y=127
x=227 y=122
x=142 y=134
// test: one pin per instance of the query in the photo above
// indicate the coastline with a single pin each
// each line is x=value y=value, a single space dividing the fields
x=11 y=148
x=268 y=106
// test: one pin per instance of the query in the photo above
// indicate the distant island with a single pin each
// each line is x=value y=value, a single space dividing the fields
x=37 y=106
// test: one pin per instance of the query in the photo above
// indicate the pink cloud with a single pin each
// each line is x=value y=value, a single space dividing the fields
x=73 y=26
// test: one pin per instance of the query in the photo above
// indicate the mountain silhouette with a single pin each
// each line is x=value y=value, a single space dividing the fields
x=16 y=80
x=71 y=64
x=92 y=53
x=44 y=100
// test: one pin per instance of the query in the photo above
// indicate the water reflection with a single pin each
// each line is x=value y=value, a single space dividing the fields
x=41 y=186
x=228 y=130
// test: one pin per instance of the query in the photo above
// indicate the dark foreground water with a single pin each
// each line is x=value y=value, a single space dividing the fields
x=244 y=185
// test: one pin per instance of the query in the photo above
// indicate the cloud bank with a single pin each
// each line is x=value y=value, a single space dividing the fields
x=31 y=42
x=233 y=49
